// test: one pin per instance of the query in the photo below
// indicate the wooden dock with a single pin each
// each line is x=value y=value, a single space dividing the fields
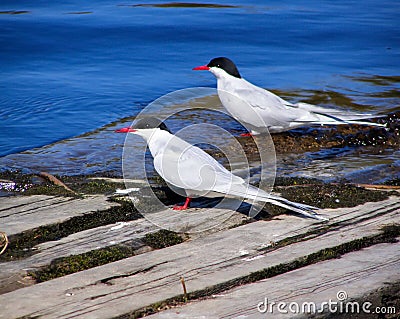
x=228 y=271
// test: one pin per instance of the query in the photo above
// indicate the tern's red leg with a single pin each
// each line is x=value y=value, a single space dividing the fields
x=246 y=134
x=185 y=206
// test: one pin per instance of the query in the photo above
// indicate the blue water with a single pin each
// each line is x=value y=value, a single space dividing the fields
x=70 y=68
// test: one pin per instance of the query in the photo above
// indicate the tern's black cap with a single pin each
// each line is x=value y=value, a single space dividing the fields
x=150 y=122
x=225 y=64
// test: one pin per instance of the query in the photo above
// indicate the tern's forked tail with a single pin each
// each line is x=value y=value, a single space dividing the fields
x=256 y=194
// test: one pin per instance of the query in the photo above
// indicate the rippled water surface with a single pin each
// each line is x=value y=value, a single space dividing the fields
x=72 y=72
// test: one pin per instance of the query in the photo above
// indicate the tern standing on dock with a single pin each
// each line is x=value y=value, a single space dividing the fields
x=188 y=167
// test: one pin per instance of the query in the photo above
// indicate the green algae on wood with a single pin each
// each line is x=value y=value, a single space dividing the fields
x=22 y=245
x=68 y=265
x=163 y=238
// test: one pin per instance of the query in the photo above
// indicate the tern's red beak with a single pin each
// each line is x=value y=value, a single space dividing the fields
x=125 y=130
x=201 y=68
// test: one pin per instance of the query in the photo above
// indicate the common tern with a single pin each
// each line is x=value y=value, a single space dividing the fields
x=260 y=110
x=189 y=168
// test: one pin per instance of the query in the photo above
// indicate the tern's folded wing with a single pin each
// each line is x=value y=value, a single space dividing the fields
x=193 y=169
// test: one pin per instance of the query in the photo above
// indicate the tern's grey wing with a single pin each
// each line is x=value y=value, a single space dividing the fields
x=260 y=108
x=261 y=98
x=193 y=169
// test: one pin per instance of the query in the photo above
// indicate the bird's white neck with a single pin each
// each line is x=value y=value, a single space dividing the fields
x=155 y=138
x=225 y=81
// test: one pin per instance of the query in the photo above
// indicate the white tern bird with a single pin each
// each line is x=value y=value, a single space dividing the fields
x=189 y=168
x=258 y=109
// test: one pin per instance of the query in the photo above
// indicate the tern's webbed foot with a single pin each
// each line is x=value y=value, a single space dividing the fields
x=177 y=207
x=184 y=206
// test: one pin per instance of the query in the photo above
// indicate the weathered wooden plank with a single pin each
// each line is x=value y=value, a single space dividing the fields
x=18 y=214
x=8 y=202
x=354 y=275
x=135 y=282
x=16 y=205
x=13 y=274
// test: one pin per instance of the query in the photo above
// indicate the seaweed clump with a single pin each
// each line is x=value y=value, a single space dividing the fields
x=18 y=183
x=163 y=238
x=68 y=265
x=332 y=195
x=393 y=182
x=321 y=195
